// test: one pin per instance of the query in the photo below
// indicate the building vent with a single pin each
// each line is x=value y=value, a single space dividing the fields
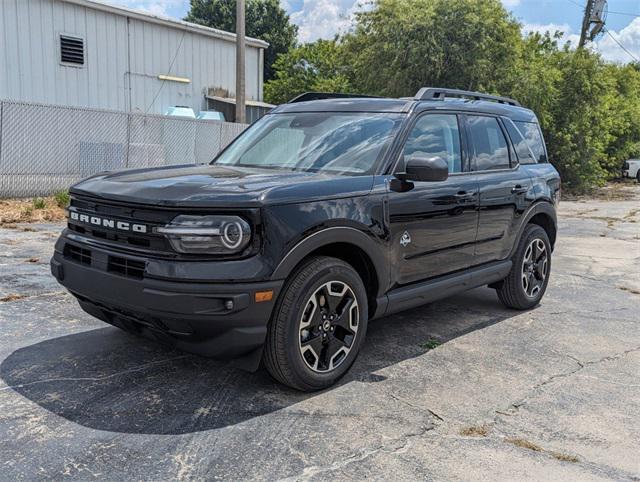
x=71 y=50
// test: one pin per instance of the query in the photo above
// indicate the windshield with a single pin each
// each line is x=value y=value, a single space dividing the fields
x=336 y=142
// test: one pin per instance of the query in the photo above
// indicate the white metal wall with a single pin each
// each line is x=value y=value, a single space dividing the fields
x=208 y=62
x=120 y=52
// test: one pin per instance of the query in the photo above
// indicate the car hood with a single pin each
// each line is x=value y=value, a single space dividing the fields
x=223 y=186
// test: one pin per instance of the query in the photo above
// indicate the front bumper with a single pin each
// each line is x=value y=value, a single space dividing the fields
x=220 y=320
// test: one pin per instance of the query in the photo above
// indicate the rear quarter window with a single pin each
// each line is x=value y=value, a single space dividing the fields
x=533 y=136
x=521 y=145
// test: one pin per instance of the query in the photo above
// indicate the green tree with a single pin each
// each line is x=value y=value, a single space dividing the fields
x=589 y=110
x=401 y=45
x=265 y=19
x=316 y=66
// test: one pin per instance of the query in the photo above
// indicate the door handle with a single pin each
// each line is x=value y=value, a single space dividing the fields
x=464 y=195
x=519 y=189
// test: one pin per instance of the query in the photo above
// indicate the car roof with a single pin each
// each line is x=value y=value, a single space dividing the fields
x=386 y=105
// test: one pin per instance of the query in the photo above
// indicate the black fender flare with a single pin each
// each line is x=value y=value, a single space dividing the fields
x=338 y=234
x=541 y=207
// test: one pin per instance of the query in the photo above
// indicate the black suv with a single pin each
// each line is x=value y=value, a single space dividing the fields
x=328 y=212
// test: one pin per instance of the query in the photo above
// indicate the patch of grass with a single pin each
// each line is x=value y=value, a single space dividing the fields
x=564 y=457
x=525 y=444
x=62 y=198
x=39 y=203
x=11 y=297
x=13 y=211
x=475 y=431
x=430 y=344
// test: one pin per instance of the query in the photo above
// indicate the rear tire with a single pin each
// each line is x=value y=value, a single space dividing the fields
x=318 y=325
x=527 y=281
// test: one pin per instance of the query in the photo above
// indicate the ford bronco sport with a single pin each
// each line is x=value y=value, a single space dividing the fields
x=328 y=212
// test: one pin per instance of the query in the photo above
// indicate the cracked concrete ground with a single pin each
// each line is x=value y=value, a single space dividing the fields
x=548 y=394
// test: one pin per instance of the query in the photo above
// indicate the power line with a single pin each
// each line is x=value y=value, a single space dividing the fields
x=175 y=56
x=576 y=4
x=625 y=13
x=608 y=11
x=621 y=46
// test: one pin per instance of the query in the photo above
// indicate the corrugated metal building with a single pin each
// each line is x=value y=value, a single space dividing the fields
x=89 y=54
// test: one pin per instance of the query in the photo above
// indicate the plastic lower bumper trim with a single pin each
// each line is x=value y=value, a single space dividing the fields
x=215 y=320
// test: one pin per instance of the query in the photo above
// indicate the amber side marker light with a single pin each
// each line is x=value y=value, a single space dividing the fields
x=264 y=296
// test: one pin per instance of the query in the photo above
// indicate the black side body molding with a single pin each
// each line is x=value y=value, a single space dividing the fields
x=418 y=294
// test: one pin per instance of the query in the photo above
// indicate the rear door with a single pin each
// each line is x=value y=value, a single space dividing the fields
x=433 y=225
x=505 y=188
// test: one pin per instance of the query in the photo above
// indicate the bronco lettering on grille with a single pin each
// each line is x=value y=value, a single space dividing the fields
x=108 y=223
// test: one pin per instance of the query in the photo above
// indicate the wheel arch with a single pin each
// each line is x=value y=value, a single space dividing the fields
x=353 y=246
x=542 y=214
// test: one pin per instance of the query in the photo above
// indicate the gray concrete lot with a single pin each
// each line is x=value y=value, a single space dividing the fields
x=549 y=394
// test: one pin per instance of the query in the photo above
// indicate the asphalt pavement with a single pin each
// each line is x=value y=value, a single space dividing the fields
x=462 y=389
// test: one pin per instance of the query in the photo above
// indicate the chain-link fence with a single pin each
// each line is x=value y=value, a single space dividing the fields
x=46 y=148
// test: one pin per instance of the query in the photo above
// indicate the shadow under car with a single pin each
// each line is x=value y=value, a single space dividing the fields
x=109 y=380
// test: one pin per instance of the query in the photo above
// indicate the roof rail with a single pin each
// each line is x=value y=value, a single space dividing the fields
x=326 y=95
x=434 y=93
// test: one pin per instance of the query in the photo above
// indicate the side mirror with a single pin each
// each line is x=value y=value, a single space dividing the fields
x=429 y=169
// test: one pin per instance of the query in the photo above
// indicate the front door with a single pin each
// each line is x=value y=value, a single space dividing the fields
x=433 y=225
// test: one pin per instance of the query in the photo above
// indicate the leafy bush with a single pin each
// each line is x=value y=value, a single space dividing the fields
x=39 y=203
x=61 y=198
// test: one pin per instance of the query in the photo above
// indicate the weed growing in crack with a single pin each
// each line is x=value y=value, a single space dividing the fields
x=475 y=431
x=430 y=344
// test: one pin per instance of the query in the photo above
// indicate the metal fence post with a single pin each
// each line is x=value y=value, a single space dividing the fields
x=3 y=183
x=128 y=141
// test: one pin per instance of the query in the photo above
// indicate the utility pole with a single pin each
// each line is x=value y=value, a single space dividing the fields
x=240 y=74
x=586 y=22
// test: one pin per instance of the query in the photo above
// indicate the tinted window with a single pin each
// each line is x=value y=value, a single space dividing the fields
x=342 y=143
x=490 y=147
x=533 y=136
x=436 y=135
x=525 y=156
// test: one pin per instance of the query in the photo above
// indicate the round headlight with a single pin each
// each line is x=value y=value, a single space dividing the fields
x=211 y=234
x=232 y=235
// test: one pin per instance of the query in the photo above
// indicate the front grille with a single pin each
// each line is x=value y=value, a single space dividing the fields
x=78 y=254
x=123 y=239
x=126 y=267
x=116 y=237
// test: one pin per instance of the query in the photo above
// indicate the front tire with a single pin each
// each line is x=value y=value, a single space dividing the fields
x=527 y=281
x=318 y=326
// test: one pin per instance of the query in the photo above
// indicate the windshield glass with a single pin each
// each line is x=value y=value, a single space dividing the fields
x=336 y=142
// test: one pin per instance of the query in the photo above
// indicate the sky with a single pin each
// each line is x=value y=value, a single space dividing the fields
x=324 y=18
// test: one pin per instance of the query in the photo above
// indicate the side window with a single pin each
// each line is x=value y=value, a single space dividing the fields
x=490 y=147
x=436 y=135
x=533 y=136
x=525 y=156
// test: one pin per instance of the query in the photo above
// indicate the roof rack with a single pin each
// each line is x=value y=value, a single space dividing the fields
x=434 y=93
x=327 y=95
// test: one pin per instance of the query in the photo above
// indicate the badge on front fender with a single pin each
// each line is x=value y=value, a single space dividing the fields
x=405 y=239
